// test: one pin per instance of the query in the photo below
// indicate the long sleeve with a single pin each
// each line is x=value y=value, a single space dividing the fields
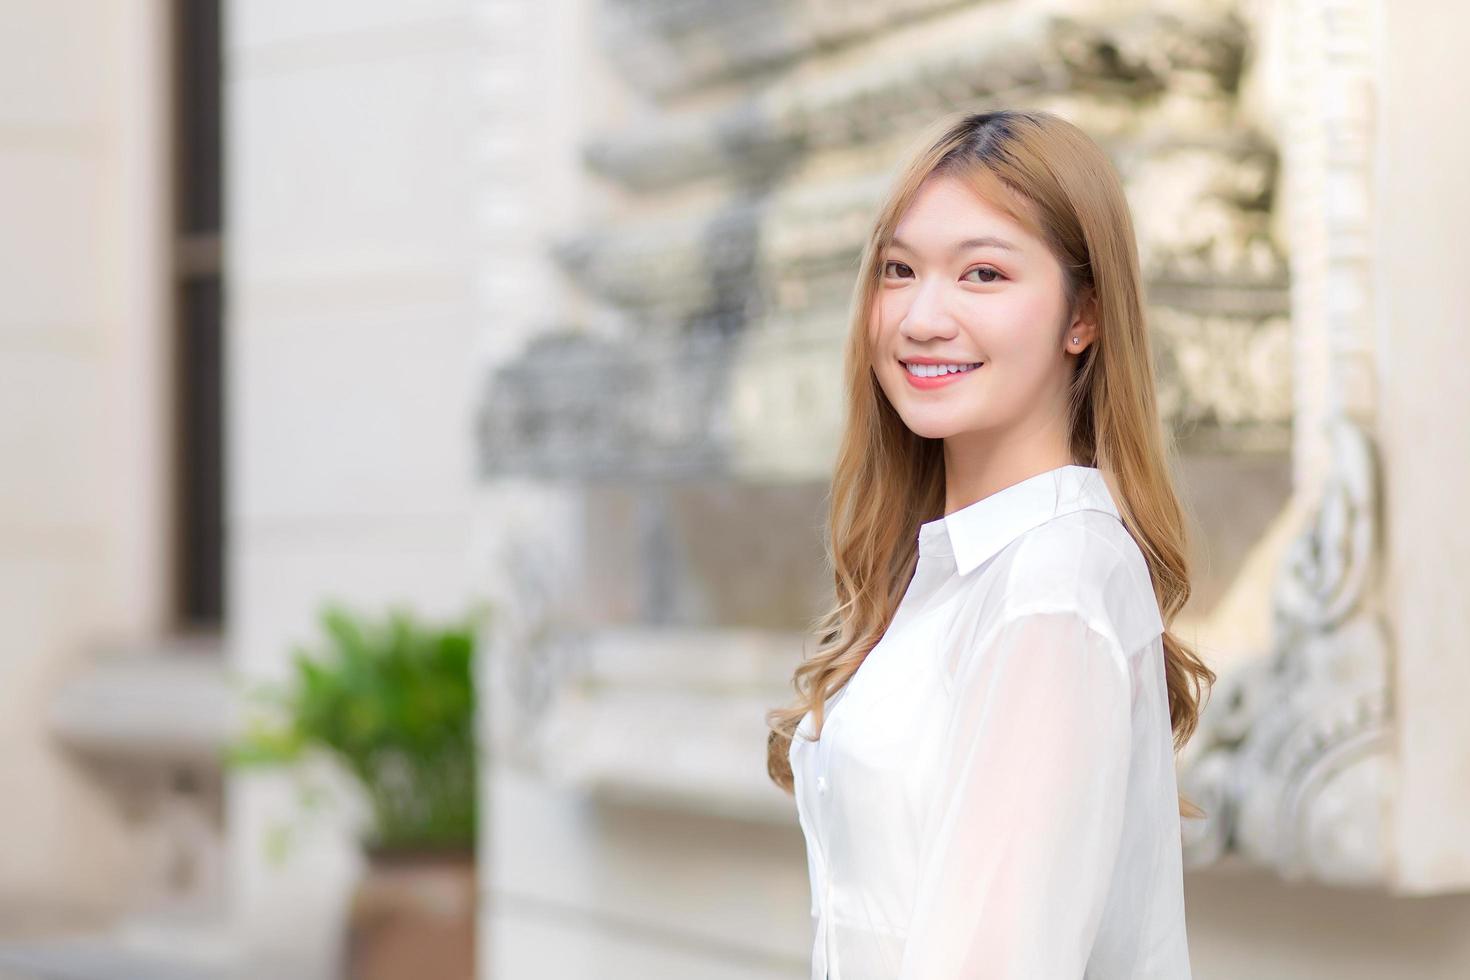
x=1015 y=870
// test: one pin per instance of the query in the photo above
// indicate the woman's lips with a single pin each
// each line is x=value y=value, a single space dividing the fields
x=938 y=381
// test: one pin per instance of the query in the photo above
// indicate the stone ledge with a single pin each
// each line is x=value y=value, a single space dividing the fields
x=672 y=718
x=157 y=704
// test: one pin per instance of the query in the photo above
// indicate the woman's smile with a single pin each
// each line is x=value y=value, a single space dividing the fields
x=922 y=374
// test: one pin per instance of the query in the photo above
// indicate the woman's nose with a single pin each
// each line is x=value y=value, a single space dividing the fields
x=927 y=316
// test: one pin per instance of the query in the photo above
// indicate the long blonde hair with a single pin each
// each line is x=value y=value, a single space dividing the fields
x=1049 y=176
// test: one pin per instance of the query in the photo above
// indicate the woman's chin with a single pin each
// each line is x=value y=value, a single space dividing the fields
x=932 y=428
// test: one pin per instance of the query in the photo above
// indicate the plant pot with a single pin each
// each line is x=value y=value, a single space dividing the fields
x=413 y=917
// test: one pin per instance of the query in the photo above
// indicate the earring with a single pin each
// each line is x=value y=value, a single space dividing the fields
x=1075 y=339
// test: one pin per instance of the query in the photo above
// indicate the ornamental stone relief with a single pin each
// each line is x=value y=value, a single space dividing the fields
x=719 y=275
x=1293 y=763
x=746 y=186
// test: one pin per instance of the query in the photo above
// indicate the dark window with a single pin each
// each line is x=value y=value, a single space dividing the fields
x=198 y=298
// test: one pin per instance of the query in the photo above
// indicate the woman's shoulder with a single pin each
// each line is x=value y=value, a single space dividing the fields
x=1084 y=561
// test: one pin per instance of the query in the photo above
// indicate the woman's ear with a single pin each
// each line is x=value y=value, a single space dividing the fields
x=1083 y=328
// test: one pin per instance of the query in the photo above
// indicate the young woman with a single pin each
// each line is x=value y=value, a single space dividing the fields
x=981 y=748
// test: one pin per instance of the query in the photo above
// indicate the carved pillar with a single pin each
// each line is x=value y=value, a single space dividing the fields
x=1293 y=760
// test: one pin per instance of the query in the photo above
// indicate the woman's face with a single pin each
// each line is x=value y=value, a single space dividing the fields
x=963 y=284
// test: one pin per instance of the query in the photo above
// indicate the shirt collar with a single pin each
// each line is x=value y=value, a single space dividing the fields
x=979 y=530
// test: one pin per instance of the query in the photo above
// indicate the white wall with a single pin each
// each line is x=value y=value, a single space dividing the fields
x=83 y=472
x=1424 y=298
x=351 y=326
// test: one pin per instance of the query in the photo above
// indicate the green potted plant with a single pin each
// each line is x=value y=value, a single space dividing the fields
x=393 y=702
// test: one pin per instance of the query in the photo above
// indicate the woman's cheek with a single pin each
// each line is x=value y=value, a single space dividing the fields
x=1011 y=329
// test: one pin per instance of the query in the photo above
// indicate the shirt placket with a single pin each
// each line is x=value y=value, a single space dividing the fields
x=823 y=940
x=829 y=965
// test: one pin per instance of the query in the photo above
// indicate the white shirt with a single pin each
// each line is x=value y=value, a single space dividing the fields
x=993 y=796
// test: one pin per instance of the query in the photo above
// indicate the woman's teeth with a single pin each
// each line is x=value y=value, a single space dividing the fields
x=935 y=370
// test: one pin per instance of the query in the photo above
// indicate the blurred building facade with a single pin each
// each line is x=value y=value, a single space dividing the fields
x=342 y=172
x=546 y=301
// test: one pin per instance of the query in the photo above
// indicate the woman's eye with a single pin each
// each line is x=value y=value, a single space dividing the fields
x=994 y=273
x=896 y=265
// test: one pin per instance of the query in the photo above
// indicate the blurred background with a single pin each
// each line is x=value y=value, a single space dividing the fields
x=384 y=380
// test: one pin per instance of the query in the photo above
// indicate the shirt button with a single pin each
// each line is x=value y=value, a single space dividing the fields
x=821 y=784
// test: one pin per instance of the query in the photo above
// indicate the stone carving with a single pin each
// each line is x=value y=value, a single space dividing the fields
x=1017 y=55
x=731 y=259
x=533 y=656
x=587 y=407
x=594 y=708
x=1294 y=767
x=1220 y=379
x=664 y=46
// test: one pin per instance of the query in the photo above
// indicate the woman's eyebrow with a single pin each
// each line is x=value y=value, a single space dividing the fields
x=981 y=242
